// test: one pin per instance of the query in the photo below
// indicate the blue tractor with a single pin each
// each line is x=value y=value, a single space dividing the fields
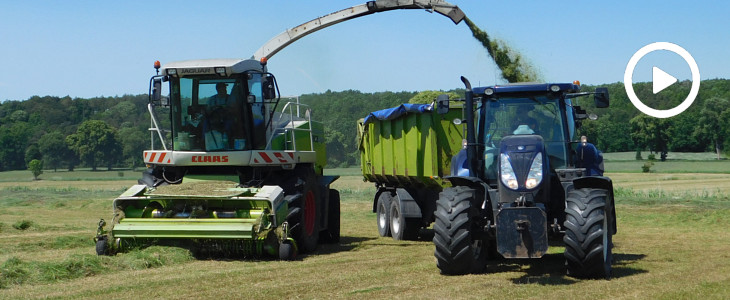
x=523 y=179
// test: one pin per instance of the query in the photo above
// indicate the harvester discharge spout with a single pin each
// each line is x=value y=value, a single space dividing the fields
x=289 y=36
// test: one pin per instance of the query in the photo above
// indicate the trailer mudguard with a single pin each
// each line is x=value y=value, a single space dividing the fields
x=408 y=206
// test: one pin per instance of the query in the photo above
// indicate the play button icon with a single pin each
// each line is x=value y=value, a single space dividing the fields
x=661 y=80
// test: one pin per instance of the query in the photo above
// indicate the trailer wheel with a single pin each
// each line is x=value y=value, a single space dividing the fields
x=588 y=239
x=402 y=228
x=383 y=214
x=332 y=234
x=457 y=250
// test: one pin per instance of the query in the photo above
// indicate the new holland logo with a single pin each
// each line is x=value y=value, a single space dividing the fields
x=210 y=158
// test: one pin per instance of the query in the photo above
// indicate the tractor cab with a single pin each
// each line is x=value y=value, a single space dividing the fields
x=520 y=111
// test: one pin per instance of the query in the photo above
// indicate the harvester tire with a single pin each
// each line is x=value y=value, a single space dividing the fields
x=457 y=251
x=305 y=223
x=588 y=237
x=382 y=211
x=287 y=251
x=333 y=217
x=402 y=228
x=102 y=247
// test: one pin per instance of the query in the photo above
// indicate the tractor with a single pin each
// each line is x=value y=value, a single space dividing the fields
x=522 y=179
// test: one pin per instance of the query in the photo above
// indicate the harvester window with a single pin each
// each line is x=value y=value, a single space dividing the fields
x=208 y=116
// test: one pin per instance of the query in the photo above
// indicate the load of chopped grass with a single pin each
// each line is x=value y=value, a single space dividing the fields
x=513 y=66
x=17 y=272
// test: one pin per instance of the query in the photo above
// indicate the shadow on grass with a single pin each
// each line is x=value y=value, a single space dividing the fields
x=550 y=269
x=347 y=243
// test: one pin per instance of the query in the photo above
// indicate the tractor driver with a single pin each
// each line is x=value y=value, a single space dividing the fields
x=524 y=124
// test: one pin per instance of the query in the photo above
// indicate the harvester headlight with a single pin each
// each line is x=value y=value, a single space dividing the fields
x=534 y=177
x=509 y=179
x=172 y=72
x=220 y=71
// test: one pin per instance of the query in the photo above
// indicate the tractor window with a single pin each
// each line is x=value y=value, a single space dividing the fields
x=207 y=116
x=533 y=115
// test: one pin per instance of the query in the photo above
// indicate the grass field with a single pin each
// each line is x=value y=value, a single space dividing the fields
x=672 y=243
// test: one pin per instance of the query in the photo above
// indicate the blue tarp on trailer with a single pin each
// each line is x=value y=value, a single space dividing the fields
x=395 y=112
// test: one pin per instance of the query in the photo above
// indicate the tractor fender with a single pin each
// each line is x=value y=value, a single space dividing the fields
x=598 y=182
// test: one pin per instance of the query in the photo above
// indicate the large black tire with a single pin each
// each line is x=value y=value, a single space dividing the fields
x=332 y=234
x=457 y=250
x=588 y=237
x=402 y=228
x=303 y=216
x=382 y=212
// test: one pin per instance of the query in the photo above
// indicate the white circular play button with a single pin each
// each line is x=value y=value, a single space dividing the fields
x=661 y=79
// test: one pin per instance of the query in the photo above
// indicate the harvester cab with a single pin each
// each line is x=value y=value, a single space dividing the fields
x=526 y=178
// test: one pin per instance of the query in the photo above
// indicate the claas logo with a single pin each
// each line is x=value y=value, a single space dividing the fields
x=210 y=158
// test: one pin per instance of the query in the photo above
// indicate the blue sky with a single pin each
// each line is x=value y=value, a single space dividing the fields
x=101 y=48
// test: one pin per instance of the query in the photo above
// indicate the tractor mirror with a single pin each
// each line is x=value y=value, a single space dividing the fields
x=601 y=97
x=442 y=104
x=269 y=90
x=580 y=113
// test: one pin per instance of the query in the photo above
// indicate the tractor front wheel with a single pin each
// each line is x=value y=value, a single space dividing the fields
x=588 y=234
x=457 y=249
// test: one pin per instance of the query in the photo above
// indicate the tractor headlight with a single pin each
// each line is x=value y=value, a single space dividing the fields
x=534 y=177
x=507 y=173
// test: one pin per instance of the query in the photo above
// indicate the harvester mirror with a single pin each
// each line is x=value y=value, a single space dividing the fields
x=442 y=104
x=269 y=89
x=601 y=97
x=156 y=90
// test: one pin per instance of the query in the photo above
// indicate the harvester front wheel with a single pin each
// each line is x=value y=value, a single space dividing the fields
x=383 y=214
x=457 y=249
x=304 y=215
x=588 y=238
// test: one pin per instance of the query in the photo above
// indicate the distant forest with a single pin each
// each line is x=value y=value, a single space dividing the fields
x=112 y=132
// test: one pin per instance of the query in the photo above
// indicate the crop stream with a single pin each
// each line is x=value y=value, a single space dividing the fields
x=513 y=66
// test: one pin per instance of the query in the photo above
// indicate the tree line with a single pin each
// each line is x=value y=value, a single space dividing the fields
x=112 y=132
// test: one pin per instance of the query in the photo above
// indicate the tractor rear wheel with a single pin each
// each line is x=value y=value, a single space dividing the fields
x=588 y=234
x=457 y=251
x=382 y=211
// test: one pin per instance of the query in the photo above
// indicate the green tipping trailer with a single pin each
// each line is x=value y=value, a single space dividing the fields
x=406 y=151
